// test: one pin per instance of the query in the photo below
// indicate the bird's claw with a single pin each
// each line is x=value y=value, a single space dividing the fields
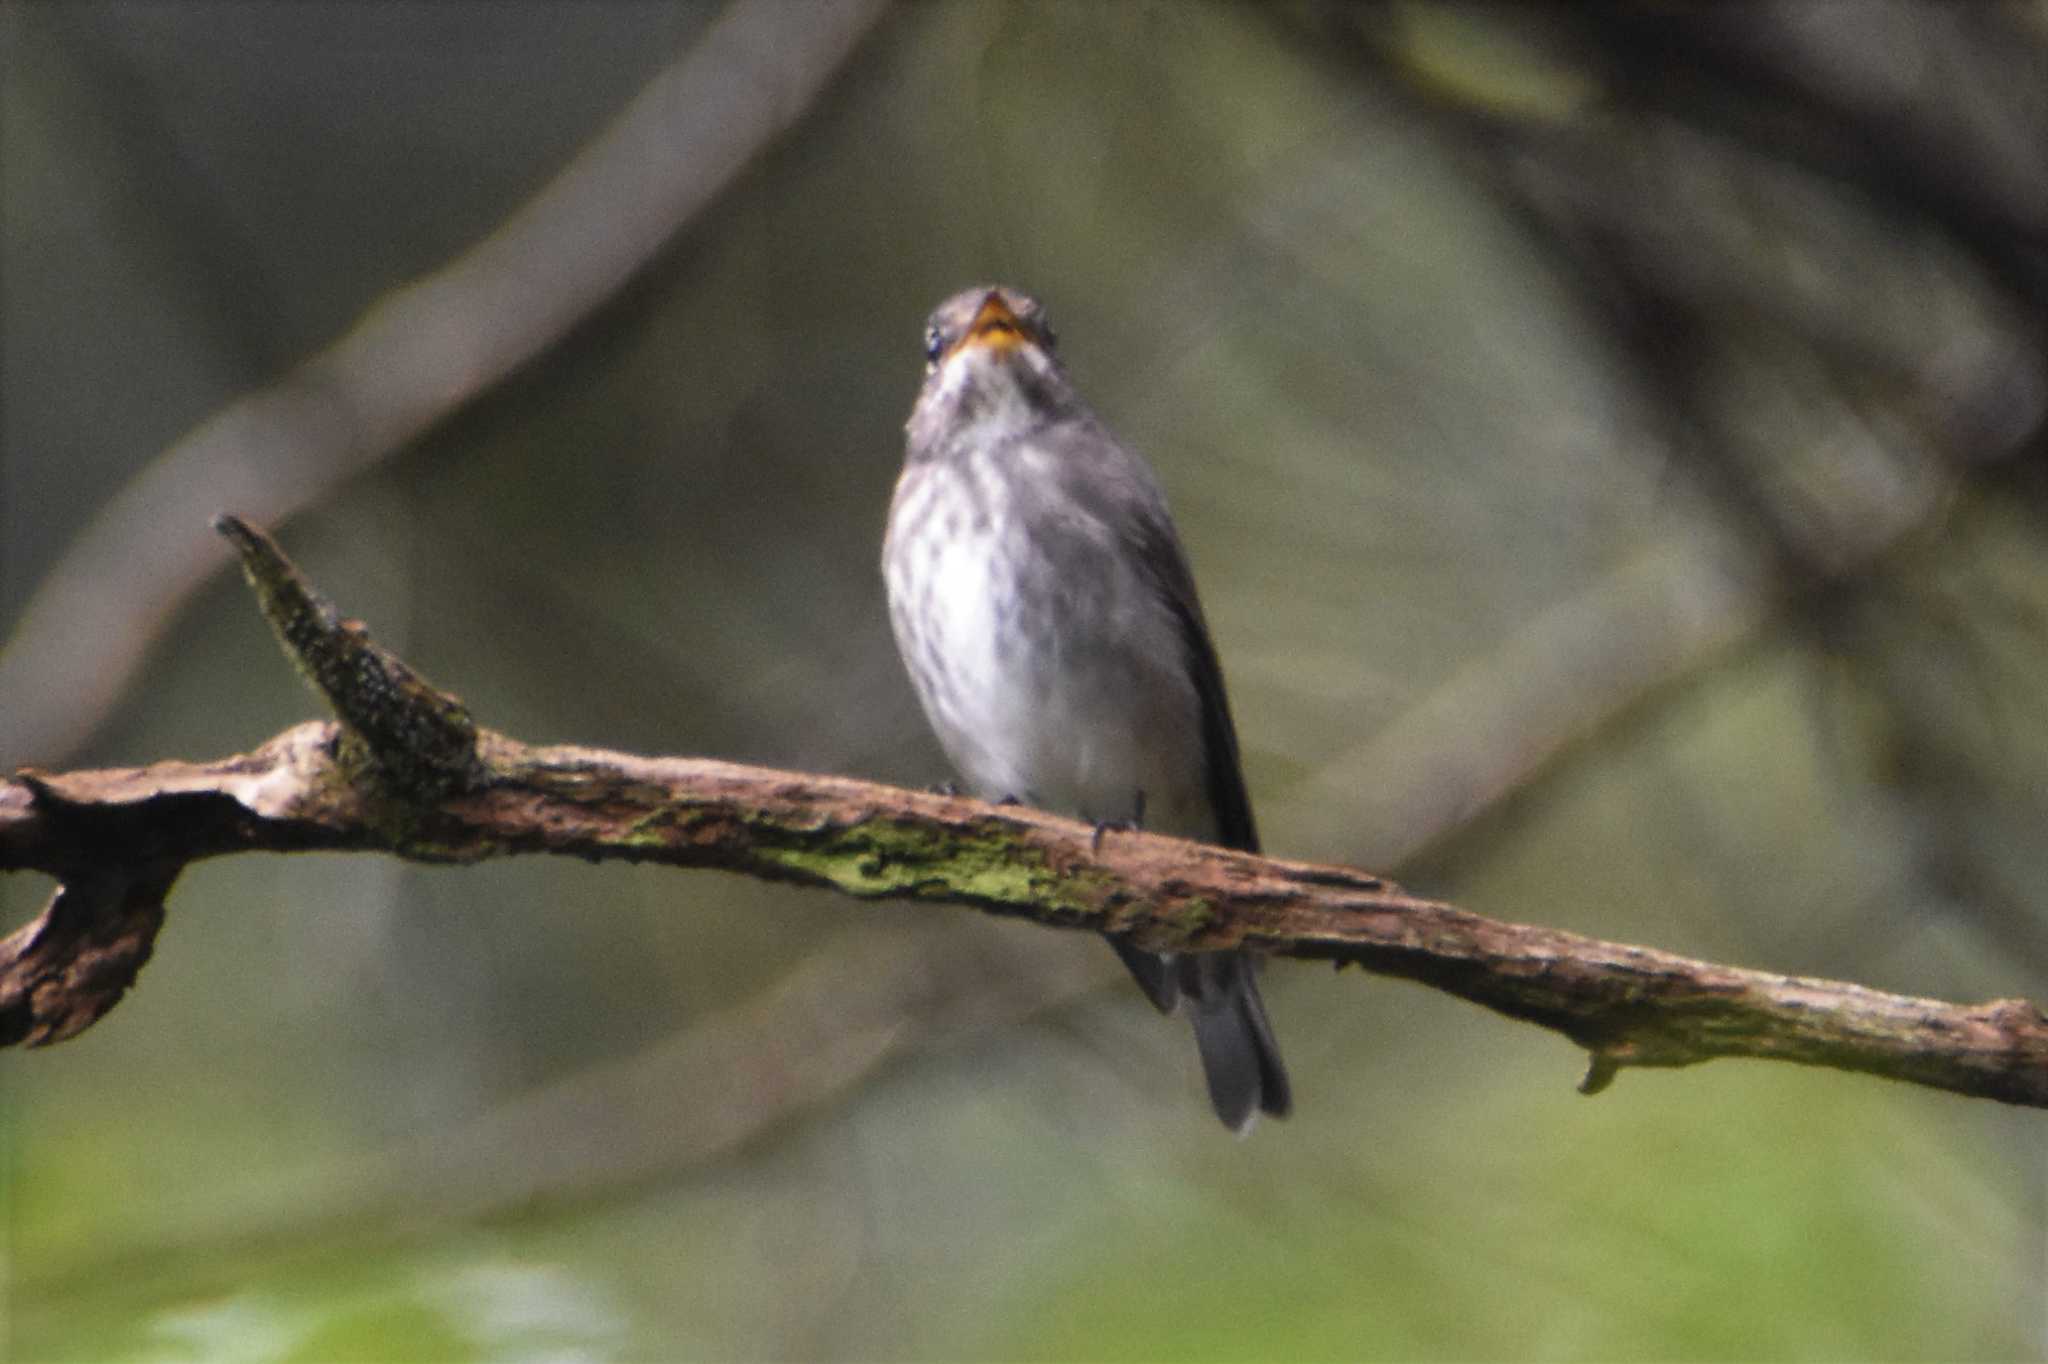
x=1121 y=826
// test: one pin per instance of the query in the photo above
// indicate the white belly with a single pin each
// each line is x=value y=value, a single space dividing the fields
x=1064 y=688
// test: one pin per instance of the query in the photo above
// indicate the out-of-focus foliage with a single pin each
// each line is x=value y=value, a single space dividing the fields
x=1609 y=442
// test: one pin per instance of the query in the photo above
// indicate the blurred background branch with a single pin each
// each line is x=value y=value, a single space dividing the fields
x=417 y=356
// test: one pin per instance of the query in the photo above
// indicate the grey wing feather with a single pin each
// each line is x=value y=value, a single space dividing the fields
x=1240 y=1058
x=1120 y=491
x=1220 y=763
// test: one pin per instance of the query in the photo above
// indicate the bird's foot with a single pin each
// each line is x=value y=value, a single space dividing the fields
x=1119 y=826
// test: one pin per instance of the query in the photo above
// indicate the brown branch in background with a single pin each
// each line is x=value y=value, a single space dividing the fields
x=408 y=774
x=421 y=352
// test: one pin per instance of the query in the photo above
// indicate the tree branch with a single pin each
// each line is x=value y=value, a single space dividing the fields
x=405 y=772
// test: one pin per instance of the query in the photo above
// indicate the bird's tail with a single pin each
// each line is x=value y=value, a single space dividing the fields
x=1240 y=1059
x=1239 y=1056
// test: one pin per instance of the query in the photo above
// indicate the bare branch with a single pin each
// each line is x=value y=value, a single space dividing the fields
x=348 y=787
x=59 y=974
x=417 y=738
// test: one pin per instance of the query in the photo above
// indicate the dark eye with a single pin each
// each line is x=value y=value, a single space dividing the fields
x=934 y=345
x=1047 y=337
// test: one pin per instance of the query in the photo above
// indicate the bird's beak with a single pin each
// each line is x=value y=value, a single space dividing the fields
x=994 y=327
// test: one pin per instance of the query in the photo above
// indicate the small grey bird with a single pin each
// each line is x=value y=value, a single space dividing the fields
x=1045 y=611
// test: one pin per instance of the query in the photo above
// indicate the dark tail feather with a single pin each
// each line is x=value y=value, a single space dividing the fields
x=1240 y=1059
x=1239 y=1056
x=1154 y=973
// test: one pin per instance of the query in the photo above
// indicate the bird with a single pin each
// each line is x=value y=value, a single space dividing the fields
x=1044 y=608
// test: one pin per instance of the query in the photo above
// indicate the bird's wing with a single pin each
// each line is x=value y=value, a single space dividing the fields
x=1220 y=761
x=1130 y=500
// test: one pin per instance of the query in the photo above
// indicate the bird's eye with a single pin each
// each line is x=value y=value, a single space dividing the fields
x=1047 y=337
x=934 y=345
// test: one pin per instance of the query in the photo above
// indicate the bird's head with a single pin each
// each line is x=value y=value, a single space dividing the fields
x=990 y=358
